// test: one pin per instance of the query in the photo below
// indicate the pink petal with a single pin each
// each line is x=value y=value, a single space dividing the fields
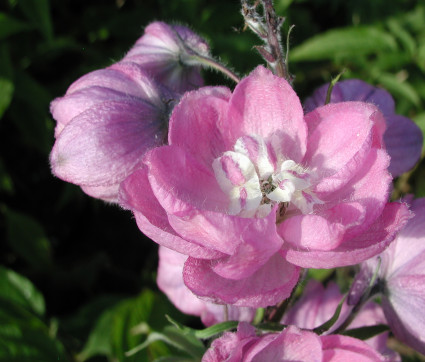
x=369 y=188
x=362 y=247
x=263 y=104
x=196 y=123
x=338 y=348
x=105 y=143
x=181 y=183
x=292 y=344
x=337 y=132
x=267 y=286
x=249 y=242
x=136 y=194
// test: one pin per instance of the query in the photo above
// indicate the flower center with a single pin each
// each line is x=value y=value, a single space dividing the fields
x=256 y=177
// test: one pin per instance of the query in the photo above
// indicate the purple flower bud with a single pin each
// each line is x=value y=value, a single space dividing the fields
x=106 y=121
x=170 y=54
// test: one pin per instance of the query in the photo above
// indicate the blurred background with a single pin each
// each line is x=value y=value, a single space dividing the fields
x=76 y=275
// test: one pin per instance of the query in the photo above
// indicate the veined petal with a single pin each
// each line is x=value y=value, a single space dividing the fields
x=255 y=149
x=263 y=104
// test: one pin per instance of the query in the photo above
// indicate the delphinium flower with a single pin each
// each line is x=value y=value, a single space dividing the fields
x=292 y=344
x=251 y=190
x=318 y=304
x=171 y=55
x=170 y=281
x=106 y=121
x=402 y=137
x=401 y=280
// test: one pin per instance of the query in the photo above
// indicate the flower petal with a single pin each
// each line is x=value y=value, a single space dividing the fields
x=355 y=250
x=136 y=194
x=267 y=286
x=263 y=104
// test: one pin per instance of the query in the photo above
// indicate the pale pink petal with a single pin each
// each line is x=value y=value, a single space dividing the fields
x=136 y=194
x=337 y=348
x=263 y=104
x=105 y=143
x=180 y=182
x=360 y=248
x=267 y=286
x=337 y=133
x=316 y=305
x=292 y=344
x=170 y=281
x=196 y=123
x=250 y=242
x=369 y=187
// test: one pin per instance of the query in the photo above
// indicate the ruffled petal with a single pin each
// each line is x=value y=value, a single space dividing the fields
x=267 y=286
x=360 y=248
x=136 y=194
x=196 y=123
x=263 y=104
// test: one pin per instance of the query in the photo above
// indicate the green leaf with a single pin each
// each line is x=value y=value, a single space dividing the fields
x=29 y=112
x=176 y=338
x=10 y=26
x=348 y=42
x=6 y=79
x=207 y=332
x=18 y=289
x=399 y=88
x=27 y=239
x=119 y=330
x=38 y=12
x=320 y=274
x=402 y=35
x=364 y=333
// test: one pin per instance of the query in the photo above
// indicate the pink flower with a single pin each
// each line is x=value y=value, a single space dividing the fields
x=247 y=184
x=106 y=121
x=401 y=280
x=402 y=137
x=168 y=54
x=318 y=304
x=292 y=344
x=170 y=281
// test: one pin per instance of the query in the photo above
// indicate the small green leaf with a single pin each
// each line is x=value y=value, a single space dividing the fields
x=402 y=35
x=18 y=289
x=6 y=79
x=27 y=239
x=349 y=42
x=399 y=88
x=174 y=337
x=364 y=333
x=10 y=26
x=207 y=332
x=38 y=12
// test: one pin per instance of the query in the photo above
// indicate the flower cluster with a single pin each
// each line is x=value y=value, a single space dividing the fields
x=243 y=188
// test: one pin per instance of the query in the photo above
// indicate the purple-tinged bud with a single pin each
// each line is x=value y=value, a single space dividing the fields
x=106 y=122
x=171 y=55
